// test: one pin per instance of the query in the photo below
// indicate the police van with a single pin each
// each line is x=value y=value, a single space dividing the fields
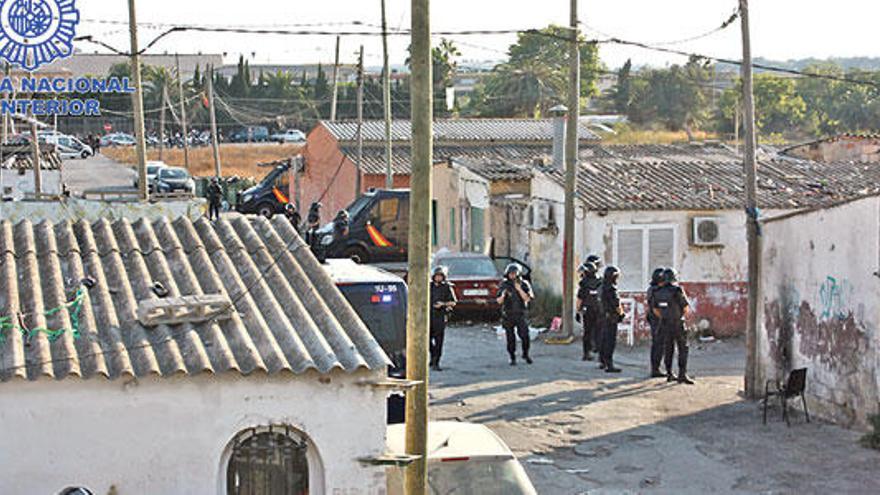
x=379 y=298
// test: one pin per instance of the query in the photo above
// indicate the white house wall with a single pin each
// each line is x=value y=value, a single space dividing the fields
x=172 y=435
x=16 y=185
x=821 y=307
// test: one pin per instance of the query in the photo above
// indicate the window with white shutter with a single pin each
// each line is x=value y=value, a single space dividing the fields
x=639 y=249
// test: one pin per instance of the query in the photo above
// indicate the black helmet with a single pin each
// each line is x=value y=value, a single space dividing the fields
x=290 y=208
x=670 y=276
x=513 y=268
x=342 y=214
x=658 y=276
x=612 y=273
x=588 y=267
x=596 y=260
x=440 y=270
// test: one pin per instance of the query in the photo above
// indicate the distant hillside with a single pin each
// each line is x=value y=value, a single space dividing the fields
x=848 y=63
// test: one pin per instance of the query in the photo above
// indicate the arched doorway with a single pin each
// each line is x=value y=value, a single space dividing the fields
x=268 y=461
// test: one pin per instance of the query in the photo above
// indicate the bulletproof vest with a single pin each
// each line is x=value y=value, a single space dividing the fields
x=592 y=290
x=513 y=303
x=609 y=299
x=667 y=300
x=440 y=293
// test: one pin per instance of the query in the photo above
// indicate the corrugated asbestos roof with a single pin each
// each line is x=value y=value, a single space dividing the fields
x=374 y=157
x=21 y=158
x=457 y=130
x=292 y=318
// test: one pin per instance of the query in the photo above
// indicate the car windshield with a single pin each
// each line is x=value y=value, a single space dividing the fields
x=358 y=206
x=170 y=173
x=470 y=267
x=473 y=477
x=153 y=169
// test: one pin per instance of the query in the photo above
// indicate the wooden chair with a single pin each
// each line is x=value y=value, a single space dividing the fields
x=794 y=387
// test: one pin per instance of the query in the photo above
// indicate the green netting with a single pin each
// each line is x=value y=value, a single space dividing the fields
x=73 y=308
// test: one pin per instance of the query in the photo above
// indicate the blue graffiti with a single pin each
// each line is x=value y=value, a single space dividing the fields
x=834 y=296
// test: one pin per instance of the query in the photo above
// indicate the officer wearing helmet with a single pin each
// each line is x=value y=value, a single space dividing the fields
x=596 y=260
x=670 y=306
x=657 y=344
x=612 y=315
x=588 y=305
x=215 y=197
x=514 y=296
x=442 y=303
x=313 y=223
x=293 y=216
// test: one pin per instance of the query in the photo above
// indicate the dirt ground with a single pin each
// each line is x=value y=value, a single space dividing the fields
x=578 y=430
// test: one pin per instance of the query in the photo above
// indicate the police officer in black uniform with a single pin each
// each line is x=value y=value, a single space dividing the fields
x=215 y=198
x=612 y=315
x=657 y=344
x=313 y=223
x=514 y=296
x=442 y=303
x=293 y=217
x=670 y=305
x=588 y=305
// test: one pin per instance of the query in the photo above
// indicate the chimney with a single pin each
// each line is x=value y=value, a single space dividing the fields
x=559 y=113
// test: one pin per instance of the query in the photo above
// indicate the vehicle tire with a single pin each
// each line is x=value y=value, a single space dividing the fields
x=85 y=154
x=266 y=210
x=357 y=254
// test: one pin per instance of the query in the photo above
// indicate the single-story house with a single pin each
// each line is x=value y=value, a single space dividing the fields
x=641 y=207
x=160 y=356
x=330 y=171
x=17 y=173
x=820 y=306
x=864 y=148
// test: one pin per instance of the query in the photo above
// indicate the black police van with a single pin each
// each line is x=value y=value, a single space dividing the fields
x=378 y=229
x=379 y=298
x=269 y=197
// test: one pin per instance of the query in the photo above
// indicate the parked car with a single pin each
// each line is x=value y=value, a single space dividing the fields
x=289 y=136
x=269 y=196
x=174 y=179
x=117 y=139
x=475 y=278
x=67 y=147
x=251 y=134
x=153 y=168
x=463 y=458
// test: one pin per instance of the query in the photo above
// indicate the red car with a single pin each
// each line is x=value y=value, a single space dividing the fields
x=476 y=278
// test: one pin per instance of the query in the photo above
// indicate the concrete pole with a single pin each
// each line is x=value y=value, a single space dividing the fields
x=419 y=248
x=360 y=124
x=35 y=156
x=386 y=96
x=138 y=104
x=162 y=122
x=334 y=97
x=754 y=248
x=215 y=143
x=571 y=166
x=183 y=127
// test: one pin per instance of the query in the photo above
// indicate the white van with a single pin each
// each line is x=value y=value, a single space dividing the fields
x=67 y=146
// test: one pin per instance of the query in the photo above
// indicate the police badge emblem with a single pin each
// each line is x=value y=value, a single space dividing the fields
x=33 y=33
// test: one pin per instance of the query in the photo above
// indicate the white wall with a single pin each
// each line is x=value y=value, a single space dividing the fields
x=15 y=185
x=172 y=435
x=821 y=307
x=89 y=210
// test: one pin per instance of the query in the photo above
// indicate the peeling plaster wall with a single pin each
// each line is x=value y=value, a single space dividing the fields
x=16 y=183
x=76 y=209
x=821 y=307
x=173 y=435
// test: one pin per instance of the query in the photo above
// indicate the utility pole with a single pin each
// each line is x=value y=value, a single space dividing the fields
x=360 y=123
x=214 y=141
x=752 y=231
x=386 y=96
x=162 y=122
x=138 y=104
x=419 y=248
x=334 y=96
x=183 y=128
x=571 y=166
x=35 y=154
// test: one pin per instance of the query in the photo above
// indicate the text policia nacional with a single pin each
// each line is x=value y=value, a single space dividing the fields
x=58 y=95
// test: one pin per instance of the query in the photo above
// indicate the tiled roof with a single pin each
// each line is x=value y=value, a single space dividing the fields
x=287 y=314
x=458 y=131
x=832 y=139
x=649 y=179
x=374 y=157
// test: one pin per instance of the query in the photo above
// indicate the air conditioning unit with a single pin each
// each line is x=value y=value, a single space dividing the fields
x=707 y=231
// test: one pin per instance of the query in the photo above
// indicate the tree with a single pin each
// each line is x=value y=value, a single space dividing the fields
x=779 y=109
x=443 y=70
x=676 y=97
x=535 y=76
x=622 y=95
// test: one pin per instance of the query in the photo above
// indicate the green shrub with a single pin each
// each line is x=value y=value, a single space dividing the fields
x=544 y=308
x=872 y=440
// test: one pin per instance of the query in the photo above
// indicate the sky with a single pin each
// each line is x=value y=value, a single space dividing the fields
x=781 y=29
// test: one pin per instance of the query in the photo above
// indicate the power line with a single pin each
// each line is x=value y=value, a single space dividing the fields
x=724 y=25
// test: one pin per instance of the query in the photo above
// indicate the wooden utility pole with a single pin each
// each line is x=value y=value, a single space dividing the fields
x=35 y=156
x=360 y=123
x=334 y=96
x=215 y=142
x=162 y=122
x=752 y=231
x=183 y=126
x=571 y=166
x=386 y=97
x=419 y=248
x=138 y=104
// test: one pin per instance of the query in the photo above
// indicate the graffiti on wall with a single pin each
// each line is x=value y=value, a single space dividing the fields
x=834 y=297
